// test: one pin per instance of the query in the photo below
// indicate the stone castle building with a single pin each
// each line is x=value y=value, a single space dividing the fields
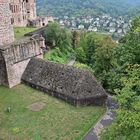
x=22 y=11
x=6 y=28
x=24 y=14
x=15 y=55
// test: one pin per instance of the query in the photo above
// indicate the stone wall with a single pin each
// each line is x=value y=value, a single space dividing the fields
x=6 y=28
x=16 y=57
x=78 y=87
x=3 y=75
x=31 y=9
x=39 y=32
x=22 y=11
x=19 y=13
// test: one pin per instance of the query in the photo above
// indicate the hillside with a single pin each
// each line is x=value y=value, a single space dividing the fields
x=88 y=7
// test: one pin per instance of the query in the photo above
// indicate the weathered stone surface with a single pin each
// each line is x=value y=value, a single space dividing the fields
x=65 y=82
x=22 y=11
x=15 y=57
x=3 y=75
x=39 y=32
x=6 y=28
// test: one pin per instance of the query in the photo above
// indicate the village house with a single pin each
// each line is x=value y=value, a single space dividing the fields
x=81 y=26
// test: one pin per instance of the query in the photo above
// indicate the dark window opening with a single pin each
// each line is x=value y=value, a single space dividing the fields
x=12 y=20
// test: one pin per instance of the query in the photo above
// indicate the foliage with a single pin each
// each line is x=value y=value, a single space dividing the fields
x=104 y=60
x=75 y=38
x=105 y=64
x=85 y=50
x=97 y=51
x=76 y=8
x=61 y=40
x=56 y=121
x=83 y=66
x=117 y=66
x=127 y=123
x=130 y=45
x=130 y=93
x=56 y=36
x=110 y=70
x=57 y=55
x=136 y=25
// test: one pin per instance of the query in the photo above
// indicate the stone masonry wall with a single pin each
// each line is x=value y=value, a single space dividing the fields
x=2 y=71
x=78 y=87
x=19 y=13
x=22 y=11
x=17 y=56
x=6 y=28
x=31 y=9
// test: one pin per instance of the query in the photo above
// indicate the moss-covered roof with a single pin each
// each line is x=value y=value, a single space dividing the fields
x=63 y=79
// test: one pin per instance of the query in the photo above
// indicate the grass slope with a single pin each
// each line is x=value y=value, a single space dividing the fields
x=20 y=31
x=57 y=121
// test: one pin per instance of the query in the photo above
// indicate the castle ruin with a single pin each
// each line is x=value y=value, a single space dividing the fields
x=19 y=61
x=24 y=14
x=22 y=11
x=15 y=55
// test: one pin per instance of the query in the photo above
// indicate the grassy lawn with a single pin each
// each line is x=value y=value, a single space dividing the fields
x=20 y=31
x=57 y=121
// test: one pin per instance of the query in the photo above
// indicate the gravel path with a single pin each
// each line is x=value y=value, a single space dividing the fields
x=104 y=121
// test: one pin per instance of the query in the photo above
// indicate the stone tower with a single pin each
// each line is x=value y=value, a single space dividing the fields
x=31 y=9
x=6 y=28
x=19 y=12
x=23 y=11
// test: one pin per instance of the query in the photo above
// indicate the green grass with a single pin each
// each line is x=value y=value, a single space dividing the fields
x=56 y=55
x=57 y=121
x=20 y=31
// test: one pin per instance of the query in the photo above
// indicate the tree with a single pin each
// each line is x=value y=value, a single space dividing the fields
x=127 y=123
x=105 y=64
x=60 y=39
x=56 y=36
x=130 y=46
x=75 y=38
x=89 y=41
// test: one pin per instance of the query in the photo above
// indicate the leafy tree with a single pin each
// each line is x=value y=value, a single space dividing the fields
x=127 y=123
x=104 y=55
x=85 y=50
x=130 y=45
x=80 y=49
x=75 y=38
x=105 y=64
x=136 y=25
x=60 y=39
x=91 y=46
x=77 y=8
x=56 y=36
